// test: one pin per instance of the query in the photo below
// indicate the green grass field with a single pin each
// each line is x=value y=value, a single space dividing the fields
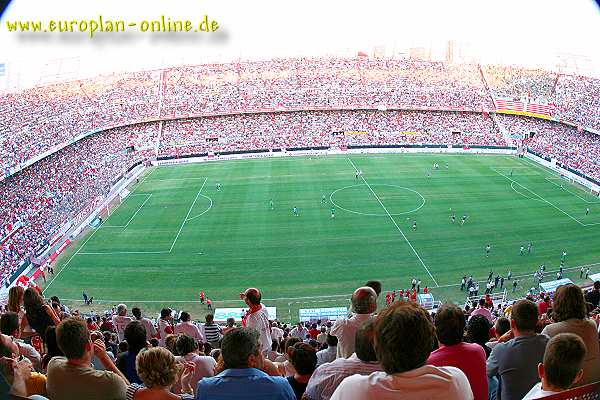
x=176 y=234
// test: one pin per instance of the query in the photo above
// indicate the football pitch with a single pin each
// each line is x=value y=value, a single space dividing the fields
x=177 y=233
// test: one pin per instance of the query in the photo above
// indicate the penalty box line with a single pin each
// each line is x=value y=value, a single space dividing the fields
x=64 y=267
x=541 y=198
x=79 y=252
x=134 y=214
x=395 y=224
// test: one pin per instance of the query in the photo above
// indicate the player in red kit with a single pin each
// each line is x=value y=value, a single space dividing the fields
x=388 y=299
x=202 y=296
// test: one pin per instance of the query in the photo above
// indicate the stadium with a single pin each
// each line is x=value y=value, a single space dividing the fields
x=454 y=185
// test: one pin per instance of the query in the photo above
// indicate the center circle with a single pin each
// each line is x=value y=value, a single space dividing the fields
x=360 y=199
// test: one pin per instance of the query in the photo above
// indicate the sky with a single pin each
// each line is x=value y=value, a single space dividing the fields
x=524 y=32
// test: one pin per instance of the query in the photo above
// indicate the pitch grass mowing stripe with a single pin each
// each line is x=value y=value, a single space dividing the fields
x=395 y=224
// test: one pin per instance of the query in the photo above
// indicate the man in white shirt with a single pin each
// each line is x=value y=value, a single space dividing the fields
x=188 y=327
x=120 y=321
x=276 y=331
x=403 y=339
x=187 y=348
x=328 y=377
x=364 y=304
x=257 y=317
x=150 y=329
x=562 y=367
x=330 y=353
x=299 y=331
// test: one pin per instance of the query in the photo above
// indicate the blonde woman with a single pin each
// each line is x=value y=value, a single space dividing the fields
x=158 y=370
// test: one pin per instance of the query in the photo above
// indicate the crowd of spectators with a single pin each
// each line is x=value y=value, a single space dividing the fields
x=561 y=142
x=531 y=348
x=302 y=129
x=300 y=83
x=577 y=100
x=517 y=82
x=35 y=202
x=38 y=119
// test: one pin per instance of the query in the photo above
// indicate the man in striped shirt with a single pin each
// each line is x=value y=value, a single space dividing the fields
x=212 y=331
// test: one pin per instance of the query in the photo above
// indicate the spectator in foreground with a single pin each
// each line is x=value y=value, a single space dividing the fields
x=159 y=371
x=187 y=348
x=515 y=362
x=453 y=352
x=327 y=377
x=375 y=285
x=483 y=310
x=165 y=326
x=71 y=377
x=38 y=315
x=52 y=349
x=230 y=325
x=299 y=331
x=212 y=331
x=304 y=359
x=593 y=296
x=135 y=335
x=242 y=376
x=148 y=325
x=283 y=364
x=186 y=326
x=501 y=326
x=404 y=337
x=120 y=321
x=478 y=331
x=329 y=354
x=9 y=326
x=257 y=317
x=570 y=316
x=562 y=367
x=364 y=304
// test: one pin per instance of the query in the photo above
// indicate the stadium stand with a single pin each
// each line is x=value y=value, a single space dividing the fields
x=63 y=147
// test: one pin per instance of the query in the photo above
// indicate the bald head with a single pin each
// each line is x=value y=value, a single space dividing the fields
x=364 y=300
x=251 y=296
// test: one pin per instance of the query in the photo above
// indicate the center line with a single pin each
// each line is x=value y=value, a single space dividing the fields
x=395 y=224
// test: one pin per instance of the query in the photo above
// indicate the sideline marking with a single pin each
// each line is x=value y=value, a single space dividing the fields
x=132 y=217
x=522 y=194
x=395 y=224
x=546 y=201
x=65 y=265
x=332 y=297
x=567 y=190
